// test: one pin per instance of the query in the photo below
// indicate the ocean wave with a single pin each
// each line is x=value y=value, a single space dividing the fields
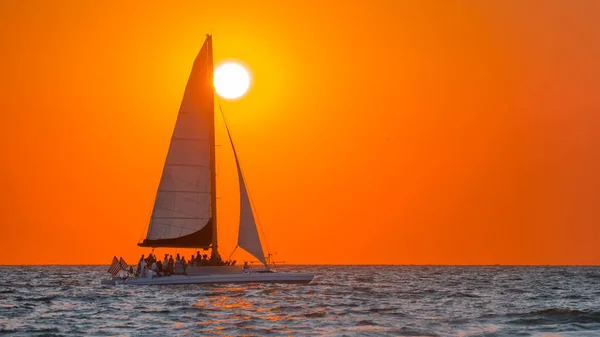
x=43 y=331
x=464 y=295
x=366 y=322
x=156 y=311
x=36 y=299
x=380 y=309
x=363 y=289
x=315 y=314
x=556 y=316
x=406 y=331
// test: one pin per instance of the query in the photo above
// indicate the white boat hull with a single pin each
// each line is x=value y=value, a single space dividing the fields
x=213 y=278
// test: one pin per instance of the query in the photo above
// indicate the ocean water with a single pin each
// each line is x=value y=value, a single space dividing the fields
x=342 y=301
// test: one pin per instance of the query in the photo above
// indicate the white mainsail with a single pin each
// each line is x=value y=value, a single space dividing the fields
x=183 y=200
x=182 y=203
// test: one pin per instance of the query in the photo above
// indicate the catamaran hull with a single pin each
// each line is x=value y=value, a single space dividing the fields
x=211 y=279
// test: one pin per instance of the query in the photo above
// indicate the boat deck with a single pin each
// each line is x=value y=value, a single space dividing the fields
x=214 y=278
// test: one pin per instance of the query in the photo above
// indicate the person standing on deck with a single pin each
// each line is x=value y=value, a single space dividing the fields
x=154 y=269
x=151 y=259
x=171 y=265
x=159 y=268
x=142 y=267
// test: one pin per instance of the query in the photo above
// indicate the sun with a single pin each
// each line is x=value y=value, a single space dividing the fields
x=231 y=80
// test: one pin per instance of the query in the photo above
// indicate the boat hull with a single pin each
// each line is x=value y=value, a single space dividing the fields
x=213 y=279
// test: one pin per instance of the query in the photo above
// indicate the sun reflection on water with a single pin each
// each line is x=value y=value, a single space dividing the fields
x=226 y=304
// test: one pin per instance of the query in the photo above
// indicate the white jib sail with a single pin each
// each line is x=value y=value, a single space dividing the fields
x=248 y=237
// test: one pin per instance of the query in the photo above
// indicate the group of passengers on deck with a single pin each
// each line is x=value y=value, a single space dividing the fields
x=178 y=266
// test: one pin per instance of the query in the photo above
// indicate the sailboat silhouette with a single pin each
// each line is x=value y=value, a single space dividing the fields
x=185 y=208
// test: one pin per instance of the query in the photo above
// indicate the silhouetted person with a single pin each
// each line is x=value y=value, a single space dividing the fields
x=171 y=265
x=159 y=268
x=141 y=266
x=149 y=260
x=178 y=267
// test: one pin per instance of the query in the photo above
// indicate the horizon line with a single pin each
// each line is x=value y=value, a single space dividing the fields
x=339 y=264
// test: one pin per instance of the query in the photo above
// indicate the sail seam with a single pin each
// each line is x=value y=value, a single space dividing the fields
x=184 y=198
x=175 y=226
x=189 y=182
x=183 y=191
x=176 y=217
x=190 y=139
x=184 y=165
x=176 y=211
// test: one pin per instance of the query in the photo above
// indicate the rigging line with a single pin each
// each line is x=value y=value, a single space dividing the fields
x=146 y=228
x=231 y=255
x=256 y=218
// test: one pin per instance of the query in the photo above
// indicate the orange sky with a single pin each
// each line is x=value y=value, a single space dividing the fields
x=443 y=132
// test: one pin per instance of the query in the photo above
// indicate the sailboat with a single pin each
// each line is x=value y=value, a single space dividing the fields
x=185 y=208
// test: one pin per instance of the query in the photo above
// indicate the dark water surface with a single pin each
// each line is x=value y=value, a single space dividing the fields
x=342 y=301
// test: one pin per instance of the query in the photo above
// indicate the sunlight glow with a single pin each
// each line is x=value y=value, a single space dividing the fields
x=231 y=80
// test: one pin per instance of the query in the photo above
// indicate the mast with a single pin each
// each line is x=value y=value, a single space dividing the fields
x=212 y=146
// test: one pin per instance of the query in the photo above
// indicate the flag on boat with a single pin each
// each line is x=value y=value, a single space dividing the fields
x=115 y=267
x=123 y=264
